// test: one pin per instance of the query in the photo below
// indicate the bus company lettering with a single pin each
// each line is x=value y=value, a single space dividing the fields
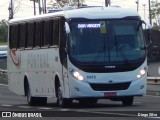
x=37 y=60
x=89 y=25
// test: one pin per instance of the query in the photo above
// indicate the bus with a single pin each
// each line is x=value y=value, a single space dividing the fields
x=78 y=55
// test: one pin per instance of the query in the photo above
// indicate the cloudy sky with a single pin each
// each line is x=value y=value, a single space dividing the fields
x=26 y=7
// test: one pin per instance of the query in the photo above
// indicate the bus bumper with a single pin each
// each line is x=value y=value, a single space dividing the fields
x=81 y=89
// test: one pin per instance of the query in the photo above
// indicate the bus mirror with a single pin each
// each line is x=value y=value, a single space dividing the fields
x=67 y=28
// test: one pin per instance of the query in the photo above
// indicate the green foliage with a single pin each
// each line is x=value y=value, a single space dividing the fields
x=155 y=11
x=3 y=31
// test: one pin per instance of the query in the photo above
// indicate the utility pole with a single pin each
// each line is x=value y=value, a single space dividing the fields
x=150 y=19
x=107 y=3
x=45 y=6
x=11 y=9
x=144 y=5
x=137 y=2
x=78 y=3
x=39 y=5
x=34 y=4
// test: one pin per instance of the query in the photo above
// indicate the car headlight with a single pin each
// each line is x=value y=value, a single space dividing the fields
x=76 y=75
x=141 y=73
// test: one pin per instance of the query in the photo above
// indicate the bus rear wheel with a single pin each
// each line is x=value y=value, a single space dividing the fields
x=127 y=101
x=32 y=101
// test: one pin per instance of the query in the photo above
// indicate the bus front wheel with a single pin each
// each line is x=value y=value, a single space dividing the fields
x=62 y=102
x=127 y=101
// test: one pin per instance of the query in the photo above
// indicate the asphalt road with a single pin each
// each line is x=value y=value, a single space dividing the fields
x=147 y=105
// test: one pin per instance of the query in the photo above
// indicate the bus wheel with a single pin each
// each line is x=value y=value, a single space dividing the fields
x=31 y=100
x=127 y=101
x=62 y=102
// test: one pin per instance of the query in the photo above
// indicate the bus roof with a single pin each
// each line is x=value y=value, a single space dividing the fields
x=88 y=13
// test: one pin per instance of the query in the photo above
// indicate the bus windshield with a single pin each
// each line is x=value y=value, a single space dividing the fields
x=106 y=42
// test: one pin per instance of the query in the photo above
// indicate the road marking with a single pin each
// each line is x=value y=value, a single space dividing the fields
x=6 y=105
x=24 y=107
x=44 y=108
x=65 y=109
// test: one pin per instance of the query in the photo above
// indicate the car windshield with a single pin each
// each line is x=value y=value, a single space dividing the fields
x=106 y=41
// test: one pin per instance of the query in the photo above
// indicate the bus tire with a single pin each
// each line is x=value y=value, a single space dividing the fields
x=62 y=102
x=127 y=101
x=32 y=101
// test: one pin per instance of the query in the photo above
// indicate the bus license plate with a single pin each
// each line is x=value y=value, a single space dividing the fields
x=110 y=94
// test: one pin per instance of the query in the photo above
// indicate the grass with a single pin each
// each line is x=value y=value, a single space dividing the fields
x=3 y=43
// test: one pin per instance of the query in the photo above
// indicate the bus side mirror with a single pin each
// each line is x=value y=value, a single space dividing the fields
x=67 y=28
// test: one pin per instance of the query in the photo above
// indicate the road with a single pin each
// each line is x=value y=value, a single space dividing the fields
x=105 y=108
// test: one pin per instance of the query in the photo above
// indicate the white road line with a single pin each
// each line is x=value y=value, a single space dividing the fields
x=44 y=108
x=64 y=109
x=6 y=105
x=24 y=107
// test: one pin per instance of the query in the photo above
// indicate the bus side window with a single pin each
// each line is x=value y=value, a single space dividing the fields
x=51 y=32
x=10 y=36
x=30 y=35
x=56 y=32
x=46 y=31
x=38 y=34
x=14 y=37
x=22 y=36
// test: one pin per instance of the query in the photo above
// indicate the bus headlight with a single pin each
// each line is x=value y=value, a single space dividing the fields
x=141 y=73
x=76 y=75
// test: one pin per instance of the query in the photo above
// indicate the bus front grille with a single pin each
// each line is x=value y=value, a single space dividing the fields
x=110 y=87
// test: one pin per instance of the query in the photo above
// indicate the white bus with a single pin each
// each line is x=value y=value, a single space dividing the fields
x=82 y=54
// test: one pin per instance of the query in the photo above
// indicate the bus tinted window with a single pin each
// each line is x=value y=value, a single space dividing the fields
x=30 y=35
x=38 y=34
x=47 y=33
x=22 y=35
x=14 y=37
x=56 y=32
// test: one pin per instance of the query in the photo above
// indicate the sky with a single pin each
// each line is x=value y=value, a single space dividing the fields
x=27 y=9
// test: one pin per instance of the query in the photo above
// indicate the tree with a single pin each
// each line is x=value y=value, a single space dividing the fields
x=62 y=3
x=155 y=11
x=3 y=30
